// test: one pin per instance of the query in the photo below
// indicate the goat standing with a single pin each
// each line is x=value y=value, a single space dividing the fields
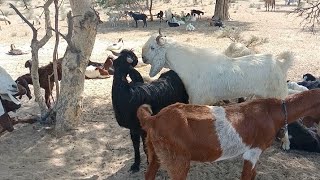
x=137 y=17
x=182 y=133
x=127 y=97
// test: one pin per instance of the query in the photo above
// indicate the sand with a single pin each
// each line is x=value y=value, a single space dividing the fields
x=99 y=148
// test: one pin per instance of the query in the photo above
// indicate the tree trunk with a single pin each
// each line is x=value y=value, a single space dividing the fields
x=76 y=58
x=150 y=10
x=222 y=9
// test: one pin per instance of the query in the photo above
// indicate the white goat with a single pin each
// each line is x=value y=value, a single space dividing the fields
x=294 y=88
x=210 y=76
x=235 y=50
x=190 y=27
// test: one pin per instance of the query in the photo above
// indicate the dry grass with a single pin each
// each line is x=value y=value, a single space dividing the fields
x=99 y=148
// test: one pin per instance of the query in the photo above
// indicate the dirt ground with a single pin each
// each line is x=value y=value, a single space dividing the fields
x=99 y=148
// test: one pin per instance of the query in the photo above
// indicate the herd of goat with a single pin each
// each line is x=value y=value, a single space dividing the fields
x=174 y=116
x=172 y=19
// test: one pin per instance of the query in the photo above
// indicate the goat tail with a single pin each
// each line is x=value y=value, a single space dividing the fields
x=287 y=58
x=144 y=113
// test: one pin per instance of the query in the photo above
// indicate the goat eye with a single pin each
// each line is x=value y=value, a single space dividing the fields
x=152 y=48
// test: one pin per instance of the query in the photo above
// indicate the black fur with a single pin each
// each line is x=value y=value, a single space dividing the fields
x=137 y=17
x=160 y=16
x=309 y=77
x=303 y=138
x=127 y=97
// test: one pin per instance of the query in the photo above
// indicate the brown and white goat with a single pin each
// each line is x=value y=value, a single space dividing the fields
x=181 y=133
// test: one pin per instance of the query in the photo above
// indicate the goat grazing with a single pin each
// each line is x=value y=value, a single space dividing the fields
x=181 y=133
x=220 y=77
x=137 y=16
x=46 y=78
x=127 y=97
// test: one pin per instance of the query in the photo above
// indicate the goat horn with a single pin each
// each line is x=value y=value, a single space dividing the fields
x=160 y=32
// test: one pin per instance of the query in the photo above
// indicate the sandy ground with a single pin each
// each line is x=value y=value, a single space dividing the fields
x=99 y=148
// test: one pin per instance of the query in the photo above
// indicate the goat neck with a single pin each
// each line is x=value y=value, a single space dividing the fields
x=303 y=104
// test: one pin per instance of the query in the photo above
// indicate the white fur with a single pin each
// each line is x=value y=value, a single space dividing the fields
x=92 y=72
x=252 y=155
x=235 y=50
x=209 y=76
x=295 y=86
x=8 y=87
x=190 y=27
x=230 y=141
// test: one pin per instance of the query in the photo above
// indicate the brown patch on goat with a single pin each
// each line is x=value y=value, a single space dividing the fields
x=180 y=133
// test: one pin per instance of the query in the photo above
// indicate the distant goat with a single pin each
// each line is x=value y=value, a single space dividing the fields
x=271 y=3
x=181 y=133
x=198 y=12
x=137 y=17
x=160 y=16
x=46 y=78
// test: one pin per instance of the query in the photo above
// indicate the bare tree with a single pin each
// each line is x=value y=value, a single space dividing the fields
x=35 y=46
x=310 y=15
x=222 y=9
x=83 y=26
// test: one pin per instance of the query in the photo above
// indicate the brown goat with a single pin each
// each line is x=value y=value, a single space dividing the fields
x=99 y=70
x=271 y=3
x=6 y=123
x=181 y=133
x=46 y=79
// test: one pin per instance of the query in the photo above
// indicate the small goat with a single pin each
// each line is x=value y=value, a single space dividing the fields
x=182 y=133
x=160 y=16
x=137 y=16
x=99 y=70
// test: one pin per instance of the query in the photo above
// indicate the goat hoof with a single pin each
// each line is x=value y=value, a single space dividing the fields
x=134 y=168
x=286 y=146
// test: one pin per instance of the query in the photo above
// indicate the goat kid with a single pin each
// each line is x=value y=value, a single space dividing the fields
x=182 y=133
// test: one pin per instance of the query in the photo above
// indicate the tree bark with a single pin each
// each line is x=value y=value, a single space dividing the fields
x=150 y=10
x=222 y=9
x=76 y=58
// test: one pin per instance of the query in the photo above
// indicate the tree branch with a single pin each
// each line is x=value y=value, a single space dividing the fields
x=48 y=35
x=310 y=15
x=34 y=31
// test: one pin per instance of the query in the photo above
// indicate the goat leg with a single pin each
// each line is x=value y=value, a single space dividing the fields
x=135 y=137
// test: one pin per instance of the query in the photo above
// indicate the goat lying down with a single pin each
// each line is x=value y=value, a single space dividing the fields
x=181 y=133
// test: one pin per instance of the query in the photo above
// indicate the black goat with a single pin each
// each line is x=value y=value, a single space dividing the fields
x=310 y=84
x=198 y=12
x=309 y=77
x=127 y=97
x=137 y=16
x=173 y=24
x=302 y=138
x=160 y=16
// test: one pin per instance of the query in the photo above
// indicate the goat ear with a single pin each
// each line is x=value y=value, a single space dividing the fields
x=129 y=60
x=161 y=40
